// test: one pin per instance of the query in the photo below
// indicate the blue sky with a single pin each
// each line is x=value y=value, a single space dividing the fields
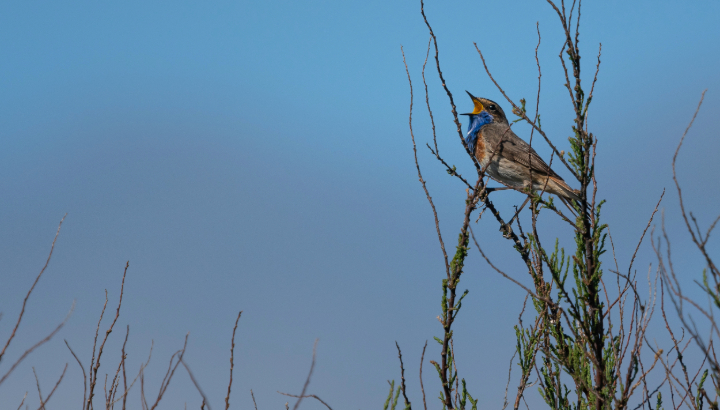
x=255 y=156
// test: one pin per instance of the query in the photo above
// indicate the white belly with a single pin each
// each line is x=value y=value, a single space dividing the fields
x=508 y=173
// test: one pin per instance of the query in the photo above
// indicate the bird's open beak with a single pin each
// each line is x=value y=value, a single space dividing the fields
x=478 y=105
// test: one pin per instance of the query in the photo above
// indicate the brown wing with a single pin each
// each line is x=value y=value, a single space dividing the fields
x=501 y=141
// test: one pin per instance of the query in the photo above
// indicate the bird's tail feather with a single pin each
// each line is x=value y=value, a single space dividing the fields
x=567 y=195
x=562 y=189
x=569 y=205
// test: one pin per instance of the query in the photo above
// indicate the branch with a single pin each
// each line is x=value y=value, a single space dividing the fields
x=83 y=371
x=300 y=397
x=422 y=388
x=232 y=356
x=420 y=177
x=22 y=310
x=197 y=386
x=447 y=91
x=94 y=370
x=402 y=377
x=169 y=374
x=47 y=399
x=307 y=381
x=38 y=344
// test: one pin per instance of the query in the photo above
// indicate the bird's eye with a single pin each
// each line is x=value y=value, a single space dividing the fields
x=492 y=106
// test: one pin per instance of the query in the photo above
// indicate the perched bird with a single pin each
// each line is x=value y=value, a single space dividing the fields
x=505 y=157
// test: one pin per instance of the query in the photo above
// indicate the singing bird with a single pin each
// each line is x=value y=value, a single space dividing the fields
x=505 y=157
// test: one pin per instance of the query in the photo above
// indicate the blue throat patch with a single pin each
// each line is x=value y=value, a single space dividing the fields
x=476 y=122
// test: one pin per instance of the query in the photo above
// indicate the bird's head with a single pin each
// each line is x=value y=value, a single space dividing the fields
x=488 y=106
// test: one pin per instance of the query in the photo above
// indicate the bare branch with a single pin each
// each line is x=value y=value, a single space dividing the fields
x=37 y=382
x=22 y=310
x=253 y=397
x=307 y=381
x=232 y=357
x=124 y=356
x=447 y=91
x=38 y=344
x=696 y=240
x=644 y=231
x=170 y=372
x=83 y=371
x=23 y=401
x=422 y=388
x=402 y=377
x=597 y=70
x=197 y=386
x=525 y=288
x=309 y=395
x=47 y=399
x=94 y=369
x=420 y=177
x=507 y=385
x=427 y=97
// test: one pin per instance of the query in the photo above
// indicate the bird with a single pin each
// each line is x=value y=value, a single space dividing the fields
x=507 y=158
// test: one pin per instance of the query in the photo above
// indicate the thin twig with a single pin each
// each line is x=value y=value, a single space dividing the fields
x=170 y=372
x=47 y=399
x=644 y=231
x=38 y=344
x=420 y=177
x=597 y=70
x=253 y=397
x=83 y=371
x=697 y=241
x=232 y=357
x=37 y=382
x=94 y=369
x=197 y=386
x=422 y=388
x=427 y=97
x=450 y=170
x=525 y=288
x=402 y=377
x=308 y=395
x=93 y=379
x=447 y=91
x=115 y=384
x=27 y=296
x=307 y=381
x=537 y=109
x=507 y=385
x=23 y=401
x=140 y=373
x=125 y=388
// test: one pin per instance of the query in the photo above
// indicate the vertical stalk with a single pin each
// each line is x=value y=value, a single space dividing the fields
x=450 y=285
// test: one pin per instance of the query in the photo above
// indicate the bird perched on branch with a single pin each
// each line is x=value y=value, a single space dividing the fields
x=508 y=159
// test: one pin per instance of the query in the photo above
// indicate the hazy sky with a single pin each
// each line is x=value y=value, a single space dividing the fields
x=256 y=156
